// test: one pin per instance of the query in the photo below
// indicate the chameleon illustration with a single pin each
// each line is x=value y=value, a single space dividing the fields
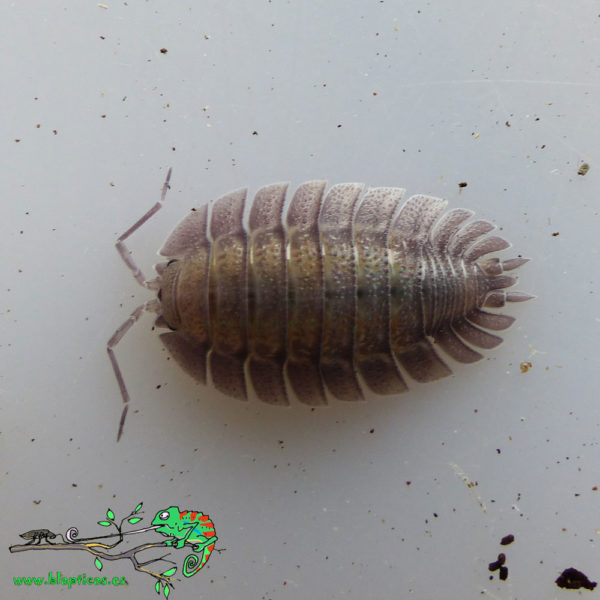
x=39 y=535
x=187 y=527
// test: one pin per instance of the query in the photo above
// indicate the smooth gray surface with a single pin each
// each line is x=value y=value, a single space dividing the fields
x=307 y=504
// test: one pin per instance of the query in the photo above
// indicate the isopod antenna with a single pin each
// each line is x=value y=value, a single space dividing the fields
x=149 y=306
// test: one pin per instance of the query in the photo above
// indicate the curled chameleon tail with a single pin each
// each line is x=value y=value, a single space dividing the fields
x=192 y=563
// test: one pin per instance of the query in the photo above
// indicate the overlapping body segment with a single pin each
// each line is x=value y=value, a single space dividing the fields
x=334 y=294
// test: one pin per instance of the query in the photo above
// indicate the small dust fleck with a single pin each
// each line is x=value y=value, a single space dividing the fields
x=507 y=539
x=507 y=123
x=555 y=234
x=583 y=169
x=36 y=502
x=105 y=6
x=525 y=366
x=476 y=135
x=463 y=184
x=163 y=50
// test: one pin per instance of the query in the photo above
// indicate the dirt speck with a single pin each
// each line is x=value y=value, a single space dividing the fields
x=572 y=579
x=583 y=169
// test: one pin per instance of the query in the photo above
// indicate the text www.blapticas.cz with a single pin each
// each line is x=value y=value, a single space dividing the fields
x=64 y=580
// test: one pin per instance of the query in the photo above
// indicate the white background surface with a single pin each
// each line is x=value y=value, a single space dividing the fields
x=307 y=504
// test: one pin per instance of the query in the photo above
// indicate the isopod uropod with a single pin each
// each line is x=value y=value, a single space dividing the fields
x=340 y=292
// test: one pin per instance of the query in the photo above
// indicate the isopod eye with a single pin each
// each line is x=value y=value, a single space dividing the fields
x=173 y=260
x=159 y=295
x=163 y=516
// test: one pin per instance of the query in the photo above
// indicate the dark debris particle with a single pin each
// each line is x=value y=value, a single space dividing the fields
x=463 y=184
x=507 y=539
x=163 y=50
x=555 y=234
x=497 y=564
x=503 y=575
x=572 y=579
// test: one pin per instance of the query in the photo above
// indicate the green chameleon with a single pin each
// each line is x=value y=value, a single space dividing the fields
x=187 y=527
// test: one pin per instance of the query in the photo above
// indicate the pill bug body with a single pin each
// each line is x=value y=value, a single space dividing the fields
x=333 y=294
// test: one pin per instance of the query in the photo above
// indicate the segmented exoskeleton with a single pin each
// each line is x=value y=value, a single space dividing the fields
x=336 y=292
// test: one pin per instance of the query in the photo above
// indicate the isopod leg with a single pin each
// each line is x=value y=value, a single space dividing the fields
x=116 y=337
x=122 y=249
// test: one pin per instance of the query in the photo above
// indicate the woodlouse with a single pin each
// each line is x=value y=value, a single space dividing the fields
x=336 y=289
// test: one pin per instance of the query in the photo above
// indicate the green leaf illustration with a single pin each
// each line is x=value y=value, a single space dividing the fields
x=134 y=520
x=98 y=564
x=170 y=572
x=138 y=507
x=110 y=514
x=166 y=591
x=104 y=523
x=157 y=587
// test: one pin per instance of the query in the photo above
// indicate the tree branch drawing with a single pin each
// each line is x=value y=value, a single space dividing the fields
x=101 y=551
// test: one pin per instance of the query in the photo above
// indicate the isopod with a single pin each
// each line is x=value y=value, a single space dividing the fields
x=340 y=293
